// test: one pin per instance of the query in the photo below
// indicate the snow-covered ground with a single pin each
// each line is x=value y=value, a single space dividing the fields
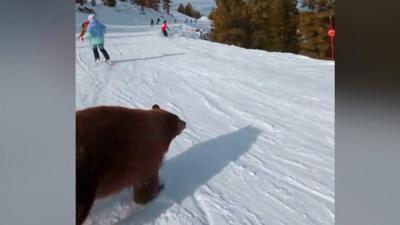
x=259 y=145
x=127 y=14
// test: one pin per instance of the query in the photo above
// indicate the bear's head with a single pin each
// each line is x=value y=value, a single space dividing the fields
x=171 y=122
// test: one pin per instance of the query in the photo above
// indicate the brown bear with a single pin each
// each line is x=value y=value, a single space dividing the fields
x=118 y=147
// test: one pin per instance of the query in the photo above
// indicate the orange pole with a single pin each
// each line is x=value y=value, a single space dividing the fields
x=332 y=37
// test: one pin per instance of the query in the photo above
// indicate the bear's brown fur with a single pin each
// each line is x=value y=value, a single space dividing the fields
x=119 y=147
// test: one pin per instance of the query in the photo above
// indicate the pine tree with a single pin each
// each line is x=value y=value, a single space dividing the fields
x=231 y=22
x=283 y=23
x=142 y=3
x=313 y=26
x=110 y=3
x=261 y=32
x=181 y=8
x=196 y=14
x=189 y=10
x=154 y=4
x=167 y=5
x=290 y=26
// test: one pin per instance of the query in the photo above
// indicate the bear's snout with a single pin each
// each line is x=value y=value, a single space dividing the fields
x=181 y=126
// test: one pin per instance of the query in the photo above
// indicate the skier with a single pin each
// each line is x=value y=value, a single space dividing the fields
x=164 y=28
x=158 y=20
x=95 y=32
x=83 y=30
x=151 y=22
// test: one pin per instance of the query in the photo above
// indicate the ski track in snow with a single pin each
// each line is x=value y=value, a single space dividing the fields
x=258 y=148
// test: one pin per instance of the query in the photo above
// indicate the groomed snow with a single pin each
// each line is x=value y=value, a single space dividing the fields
x=259 y=146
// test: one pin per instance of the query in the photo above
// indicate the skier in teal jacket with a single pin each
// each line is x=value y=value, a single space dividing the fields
x=95 y=33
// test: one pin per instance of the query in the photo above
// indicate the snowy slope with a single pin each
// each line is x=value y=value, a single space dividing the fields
x=259 y=146
x=124 y=13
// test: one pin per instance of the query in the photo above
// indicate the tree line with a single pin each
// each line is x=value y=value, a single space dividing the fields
x=189 y=10
x=274 y=25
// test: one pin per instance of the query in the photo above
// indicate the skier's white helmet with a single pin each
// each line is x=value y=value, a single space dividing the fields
x=91 y=17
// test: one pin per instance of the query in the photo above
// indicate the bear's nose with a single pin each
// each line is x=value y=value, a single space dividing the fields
x=183 y=125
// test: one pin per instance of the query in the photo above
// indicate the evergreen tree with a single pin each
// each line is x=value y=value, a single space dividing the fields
x=313 y=25
x=281 y=24
x=154 y=4
x=142 y=3
x=211 y=15
x=181 y=8
x=196 y=14
x=167 y=5
x=231 y=22
x=110 y=3
x=262 y=34
x=189 y=9
x=290 y=26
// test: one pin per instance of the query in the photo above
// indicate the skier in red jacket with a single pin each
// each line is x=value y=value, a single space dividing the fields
x=83 y=29
x=164 y=28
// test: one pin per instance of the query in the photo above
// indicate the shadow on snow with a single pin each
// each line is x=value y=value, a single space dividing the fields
x=190 y=170
x=147 y=58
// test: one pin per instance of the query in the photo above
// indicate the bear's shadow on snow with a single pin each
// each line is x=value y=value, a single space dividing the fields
x=185 y=173
x=148 y=58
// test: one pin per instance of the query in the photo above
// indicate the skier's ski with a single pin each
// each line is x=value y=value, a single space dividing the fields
x=109 y=62
x=97 y=62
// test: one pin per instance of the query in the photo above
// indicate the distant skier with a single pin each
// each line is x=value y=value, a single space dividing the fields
x=164 y=28
x=175 y=20
x=151 y=22
x=158 y=20
x=83 y=30
x=95 y=33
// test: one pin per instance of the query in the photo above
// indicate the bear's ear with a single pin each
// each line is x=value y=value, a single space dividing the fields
x=155 y=106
